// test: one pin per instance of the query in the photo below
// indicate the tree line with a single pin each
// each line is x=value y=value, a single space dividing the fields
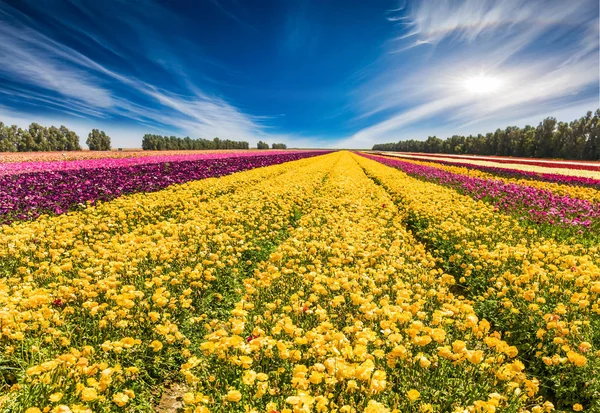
x=579 y=139
x=264 y=145
x=38 y=138
x=160 y=143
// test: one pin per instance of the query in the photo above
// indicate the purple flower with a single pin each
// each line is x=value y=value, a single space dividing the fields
x=28 y=195
x=535 y=204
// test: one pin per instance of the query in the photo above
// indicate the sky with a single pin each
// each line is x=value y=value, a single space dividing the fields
x=336 y=73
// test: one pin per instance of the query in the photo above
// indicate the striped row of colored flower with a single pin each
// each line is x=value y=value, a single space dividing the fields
x=561 y=164
x=571 y=189
x=18 y=157
x=543 y=293
x=101 y=306
x=15 y=168
x=350 y=314
x=522 y=176
x=26 y=196
x=564 y=171
x=528 y=202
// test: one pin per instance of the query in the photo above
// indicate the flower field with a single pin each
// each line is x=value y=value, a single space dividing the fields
x=36 y=157
x=57 y=187
x=549 y=169
x=295 y=282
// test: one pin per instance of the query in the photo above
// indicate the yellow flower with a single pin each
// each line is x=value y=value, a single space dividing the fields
x=55 y=397
x=120 y=399
x=89 y=394
x=156 y=345
x=376 y=407
x=33 y=410
x=577 y=407
x=413 y=395
x=426 y=408
x=577 y=359
x=249 y=377
x=233 y=396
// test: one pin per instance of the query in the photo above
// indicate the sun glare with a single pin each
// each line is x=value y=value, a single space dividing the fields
x=482 y=84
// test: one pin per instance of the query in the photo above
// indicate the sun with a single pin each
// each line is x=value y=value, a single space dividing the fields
x=482 y=84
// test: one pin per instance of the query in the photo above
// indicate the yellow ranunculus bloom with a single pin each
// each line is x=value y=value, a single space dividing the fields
x=233 y=396
x=413 y=395
x=120 y=399
x=89 y=394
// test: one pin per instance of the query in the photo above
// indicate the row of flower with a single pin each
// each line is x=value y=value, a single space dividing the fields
x=100 y=306
x=579 y=165
x=524 y=176
x=351 y=314
x=18 y=157
x=15 y=168
x=26 y=196
x=536 y=204
x=543 y=293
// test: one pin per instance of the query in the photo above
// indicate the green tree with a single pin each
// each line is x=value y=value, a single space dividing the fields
x=70 y=139
x=544 y=135
x=579 y=139
x=98 y=141
x=262 y=145
x=39 y=140
x=6 y=143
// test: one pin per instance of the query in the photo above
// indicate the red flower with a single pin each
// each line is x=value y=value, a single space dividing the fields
x=250 y=338
x=305 y=308
x=58 y=303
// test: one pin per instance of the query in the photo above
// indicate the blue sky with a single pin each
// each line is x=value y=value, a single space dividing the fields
x=307 y=73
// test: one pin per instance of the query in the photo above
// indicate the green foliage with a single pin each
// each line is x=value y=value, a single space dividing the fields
x=37 y=138
x=262 y=145
x=579 y=139
x=161 y=143
x=98 y=141
x=279 y=146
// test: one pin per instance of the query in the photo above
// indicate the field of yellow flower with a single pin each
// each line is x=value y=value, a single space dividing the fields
x=328 y=284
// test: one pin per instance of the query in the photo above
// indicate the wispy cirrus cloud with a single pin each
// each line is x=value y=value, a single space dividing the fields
x=452 y=42
x=27 y=56
x=75 y=84
x=467 y=20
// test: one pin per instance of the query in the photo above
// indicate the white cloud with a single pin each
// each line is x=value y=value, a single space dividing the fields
x=466 y=20
x=87 y=88
x=24 y=58
x=475 y=38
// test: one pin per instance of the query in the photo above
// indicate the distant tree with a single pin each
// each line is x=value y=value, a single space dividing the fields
x=54 y=139
x=98 y=141
x=6 y=143
x=279 y=146
x=589 y=142
x=37 y=138
x=544 y=135
x=579 y=139
x=25 y=141
x=70 y=139
x=262 y=145
x=158 y=143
